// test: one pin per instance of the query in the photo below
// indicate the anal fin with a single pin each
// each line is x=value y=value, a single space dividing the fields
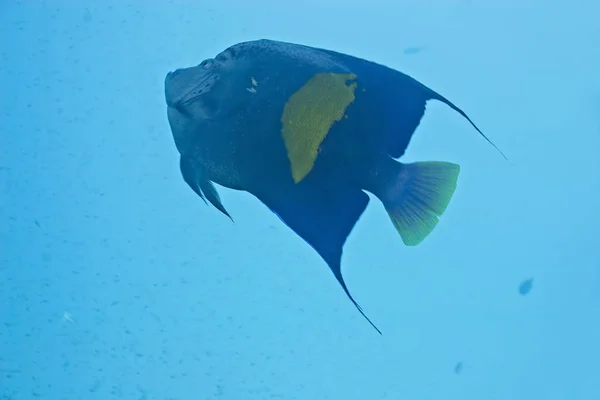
x=323 y=215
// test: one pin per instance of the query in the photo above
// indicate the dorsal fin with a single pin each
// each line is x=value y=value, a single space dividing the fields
x=404 y=111
x=461 y=112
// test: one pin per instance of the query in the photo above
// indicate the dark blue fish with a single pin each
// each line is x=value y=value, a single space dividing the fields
x=308 y=131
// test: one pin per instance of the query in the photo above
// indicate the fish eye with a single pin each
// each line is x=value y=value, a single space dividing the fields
x=206 y=64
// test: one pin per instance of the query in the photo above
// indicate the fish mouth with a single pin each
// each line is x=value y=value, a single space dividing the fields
x=186 y=101
x=192 y=97
x=179 y=106
x=173 y=95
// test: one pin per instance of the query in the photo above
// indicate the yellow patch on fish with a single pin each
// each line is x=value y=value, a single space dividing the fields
x=310 y=113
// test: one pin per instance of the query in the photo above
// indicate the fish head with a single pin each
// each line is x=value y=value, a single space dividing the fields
x=214 y=89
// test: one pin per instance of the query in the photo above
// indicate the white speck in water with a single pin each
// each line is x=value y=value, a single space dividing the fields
x=67 y=317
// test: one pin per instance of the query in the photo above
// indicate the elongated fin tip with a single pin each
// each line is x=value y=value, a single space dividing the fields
x=461 y=112
x=492 y=143
x=340 y=279
x=365 y=316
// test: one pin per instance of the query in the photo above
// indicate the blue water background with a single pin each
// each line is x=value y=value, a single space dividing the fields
x=117 y=282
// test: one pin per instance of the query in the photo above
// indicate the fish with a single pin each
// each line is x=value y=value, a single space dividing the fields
x=309 y=132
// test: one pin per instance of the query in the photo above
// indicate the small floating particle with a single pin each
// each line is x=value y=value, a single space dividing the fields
x=87 y=15
x=525 y=286
x=458 y=367
x=412 y=50
x=67 y=317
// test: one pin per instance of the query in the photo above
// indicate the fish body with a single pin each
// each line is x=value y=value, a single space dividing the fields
x=308 y=132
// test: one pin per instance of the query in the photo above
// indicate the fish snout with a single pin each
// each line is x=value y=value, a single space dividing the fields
x=186 y=88
x=170 y=89
x=180 y=83
x=171 y=76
